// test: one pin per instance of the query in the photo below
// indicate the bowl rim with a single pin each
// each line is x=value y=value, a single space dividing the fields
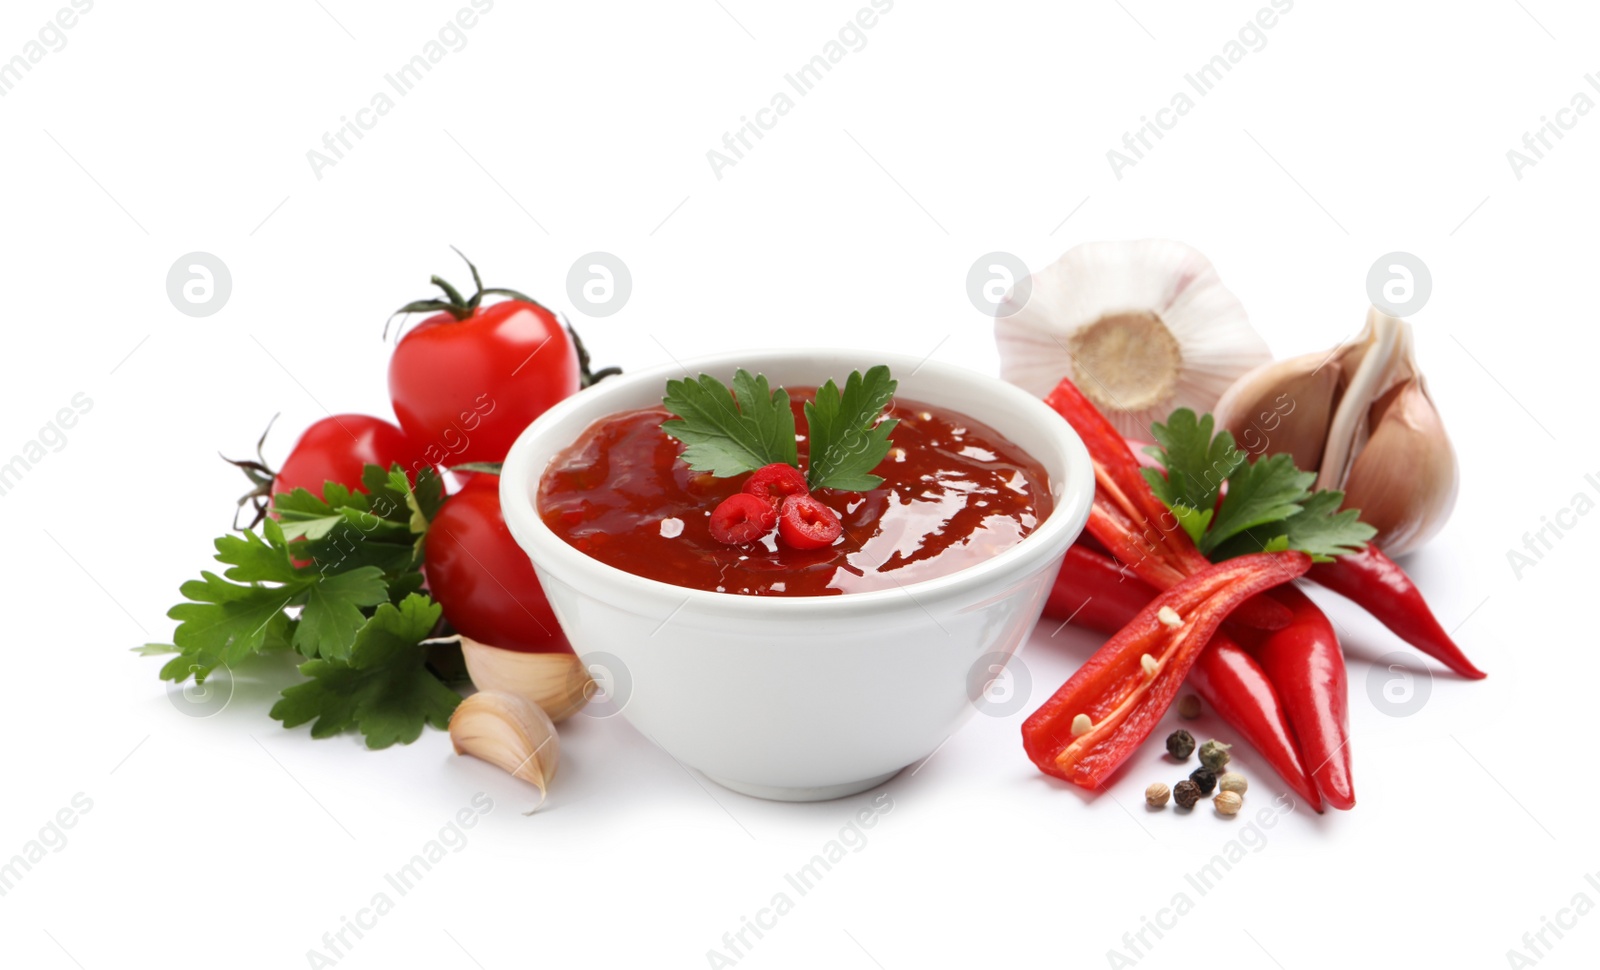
x=1051 y=537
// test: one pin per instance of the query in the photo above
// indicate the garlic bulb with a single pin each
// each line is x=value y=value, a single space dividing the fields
x=1141 y=327
x=557 y=682
x=509 y=732
x=1360 y=417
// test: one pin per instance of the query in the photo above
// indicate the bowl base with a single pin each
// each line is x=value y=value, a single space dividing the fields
x=817 y=794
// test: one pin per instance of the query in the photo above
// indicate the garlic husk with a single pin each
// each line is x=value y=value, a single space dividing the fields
x=557 y=682
x=1141 y=327
x=1361 y=418
x=510 y=732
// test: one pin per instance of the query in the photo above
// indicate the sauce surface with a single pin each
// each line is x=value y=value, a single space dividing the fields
x=955 y=493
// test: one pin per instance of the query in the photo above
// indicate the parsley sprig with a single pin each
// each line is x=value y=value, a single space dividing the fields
x=337 y=580
x=1269 y=506
x=729 y=432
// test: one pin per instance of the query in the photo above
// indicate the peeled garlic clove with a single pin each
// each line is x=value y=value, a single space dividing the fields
x=1142 y=328
x=1284 y=406
x=557 y=682
x=509 y=732
x=1405 y=479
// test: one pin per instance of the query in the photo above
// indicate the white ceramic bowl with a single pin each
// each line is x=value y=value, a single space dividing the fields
x=804 y=697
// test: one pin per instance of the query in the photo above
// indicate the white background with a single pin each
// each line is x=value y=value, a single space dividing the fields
x=1359 y=129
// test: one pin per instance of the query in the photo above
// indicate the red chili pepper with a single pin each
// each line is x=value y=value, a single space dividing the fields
x=1236 y=687
x=1128 y=518
x=1096 y=592
x=1378 y=585
x=1305 y=664
x=1121 y=699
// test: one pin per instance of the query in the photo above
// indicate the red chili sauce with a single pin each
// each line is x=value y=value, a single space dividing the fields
x=955 y=493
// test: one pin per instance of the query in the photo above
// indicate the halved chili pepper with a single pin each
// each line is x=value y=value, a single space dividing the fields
x=1128 y=518
x=1096 y=592
x=1378 y=585
x=1120 y=693
x=1305 y=664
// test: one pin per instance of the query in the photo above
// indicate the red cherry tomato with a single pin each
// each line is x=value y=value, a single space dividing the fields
x=483 y=579
x=337 y=448
x=774 y=483
x=805 y=523
x=466 y=381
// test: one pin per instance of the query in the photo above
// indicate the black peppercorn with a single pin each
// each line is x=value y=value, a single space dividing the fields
x=1204 y=779
x=1186 y=793
x=1180 y=744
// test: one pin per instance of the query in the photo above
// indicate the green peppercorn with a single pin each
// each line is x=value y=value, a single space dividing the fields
x=1186 y=793
x=1180 y=744
x=1204 y=778
x=1214 y=754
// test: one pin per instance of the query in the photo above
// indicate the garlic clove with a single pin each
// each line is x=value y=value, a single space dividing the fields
x=1367 y=426
x=1405 y=479
x=1141 y=327
x=557 y=682
x=510 y=732
x=1284 y=406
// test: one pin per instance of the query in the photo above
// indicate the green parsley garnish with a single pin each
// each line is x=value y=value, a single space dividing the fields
x=1269 y=506
x=730 y=432
x=353 y=608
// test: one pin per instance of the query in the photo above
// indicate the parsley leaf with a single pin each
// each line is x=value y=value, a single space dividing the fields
x=1266 y=490
x=1269 y=505
x=847 y=438
x=729 y=433
x=337 y=579
x=1205 y=461
x=383 y=688
x=1319 y=528
x=332 y=612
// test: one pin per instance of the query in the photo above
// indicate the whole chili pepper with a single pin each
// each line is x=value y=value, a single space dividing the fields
x=1090 y=726
x=1128 y=518
x=1305 y=664
x=1378 y=585
x=1236 y=687
x=1096 y=592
